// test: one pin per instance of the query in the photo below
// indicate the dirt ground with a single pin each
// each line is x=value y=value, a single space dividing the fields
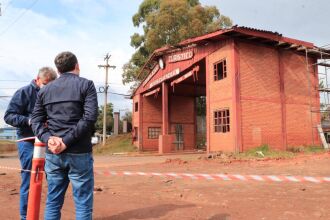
x=128 y=198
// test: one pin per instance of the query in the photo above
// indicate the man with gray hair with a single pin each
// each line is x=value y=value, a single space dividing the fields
x=18 y=115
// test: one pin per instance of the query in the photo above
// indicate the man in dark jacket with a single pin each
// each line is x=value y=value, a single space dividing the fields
x=18 y=115
x=69 y=108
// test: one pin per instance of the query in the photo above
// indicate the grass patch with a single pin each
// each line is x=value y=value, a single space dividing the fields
x=7 y=146
x=307 y=149
x=264 y=152
x=117 y=144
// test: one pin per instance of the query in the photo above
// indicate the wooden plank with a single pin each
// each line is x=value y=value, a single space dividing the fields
x=151 y=92
x=324 y=90
x=324 y=142
x=182 y=78
x=323 y=64
x=186 y=76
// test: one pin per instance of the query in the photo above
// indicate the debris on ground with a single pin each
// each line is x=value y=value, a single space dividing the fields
x=176 y=161
x=98 y=189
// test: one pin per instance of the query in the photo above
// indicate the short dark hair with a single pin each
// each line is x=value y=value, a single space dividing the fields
x=65 y=62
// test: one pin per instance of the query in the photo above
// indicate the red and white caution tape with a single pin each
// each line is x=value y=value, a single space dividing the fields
x=203 y=176
x=222 y=177
x=13 y=168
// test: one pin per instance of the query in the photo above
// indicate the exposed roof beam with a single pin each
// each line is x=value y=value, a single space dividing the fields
x=155 y=91
x=301 y=48
x=252 y=38
x=292 y=46
x=323 y=64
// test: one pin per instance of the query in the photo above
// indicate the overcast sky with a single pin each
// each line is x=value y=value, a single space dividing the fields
x=32 y=32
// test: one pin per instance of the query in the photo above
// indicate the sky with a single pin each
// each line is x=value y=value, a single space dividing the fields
x=33 y=32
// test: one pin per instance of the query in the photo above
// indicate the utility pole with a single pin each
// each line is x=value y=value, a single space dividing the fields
x=106 y=86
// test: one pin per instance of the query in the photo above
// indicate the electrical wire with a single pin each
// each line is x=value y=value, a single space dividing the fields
x=18 y=18
x=9 y=3
x=12 y=80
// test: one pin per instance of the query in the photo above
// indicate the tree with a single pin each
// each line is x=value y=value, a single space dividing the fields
x=127 y=117
x=99 y=122
x=167 y=22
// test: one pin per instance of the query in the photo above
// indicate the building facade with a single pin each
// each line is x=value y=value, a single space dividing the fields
x=260 y=88
x=8 y=133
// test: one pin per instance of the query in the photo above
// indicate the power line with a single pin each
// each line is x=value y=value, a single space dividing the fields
x=9 y=88
x=19 y=17
x=114 y=93
x=100 y=90
x=13 y=80
x=327 y=45
x=5 y=8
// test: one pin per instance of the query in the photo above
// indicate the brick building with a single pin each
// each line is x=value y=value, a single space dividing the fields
x=260 y=88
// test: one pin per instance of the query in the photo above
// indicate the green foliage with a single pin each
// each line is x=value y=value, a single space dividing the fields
x=307 y=149
x=99 y=122
x=117 y=144
x=127 y=117
x=201 y=105
x=263 y=151
x=167 y=22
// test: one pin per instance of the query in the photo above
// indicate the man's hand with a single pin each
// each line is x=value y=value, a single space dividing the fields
x=56 y=145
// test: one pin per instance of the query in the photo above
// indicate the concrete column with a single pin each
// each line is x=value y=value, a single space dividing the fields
x=116 y=123
x=124 y=126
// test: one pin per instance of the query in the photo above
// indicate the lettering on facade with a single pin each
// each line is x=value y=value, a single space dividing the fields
x=165 y=77
x=181 y=56
x=152 y=73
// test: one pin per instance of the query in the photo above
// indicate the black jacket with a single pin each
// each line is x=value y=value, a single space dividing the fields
x=67 y=108
x=20 y=109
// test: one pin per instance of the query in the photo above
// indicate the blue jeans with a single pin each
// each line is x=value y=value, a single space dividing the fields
x=62 y=169
x=25 y=153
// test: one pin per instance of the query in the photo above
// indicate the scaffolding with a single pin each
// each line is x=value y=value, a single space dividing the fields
x=322 y=67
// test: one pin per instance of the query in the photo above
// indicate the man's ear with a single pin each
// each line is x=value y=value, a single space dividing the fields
x=38 y=80
x=77 y=67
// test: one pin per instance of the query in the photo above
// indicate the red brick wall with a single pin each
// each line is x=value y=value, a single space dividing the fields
x=152 y=117
x=182 y=111
x=219 y=96
x=135 y=118
x=298 y=87
x=261 y=98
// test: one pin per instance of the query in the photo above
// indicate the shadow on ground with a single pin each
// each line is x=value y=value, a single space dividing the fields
x=220 y=217
x=5 y=155
x=145 y=213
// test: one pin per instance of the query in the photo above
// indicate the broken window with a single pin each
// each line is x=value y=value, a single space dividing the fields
x=153 y=132
x=220 y=70
x=135 y=134
x=136 y=108
x=221 y=121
